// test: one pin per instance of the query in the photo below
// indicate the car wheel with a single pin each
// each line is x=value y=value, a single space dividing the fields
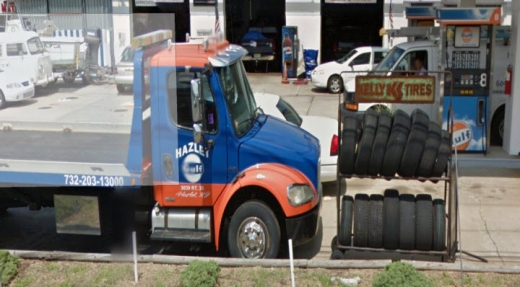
x=254 y=232
x=2 y=100
x=335 y=84
x=120 y=89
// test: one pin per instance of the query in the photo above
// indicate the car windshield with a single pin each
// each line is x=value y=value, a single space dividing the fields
x=128 y=55
x=289 y=112
x=389 y=61
x=347 y=56
x=35 y=46
x=239 y=97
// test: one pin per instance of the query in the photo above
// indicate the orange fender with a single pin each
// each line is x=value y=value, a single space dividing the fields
x=274 y=178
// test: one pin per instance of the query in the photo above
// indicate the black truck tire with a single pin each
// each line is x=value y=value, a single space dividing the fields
x=391 y=219
x=384 y=126
x=414 y=145
x=366 y=142
x=424 y=222
x=361 y=220
x=419 y=117
x=439 y=225
x=431 y=148
x=258 y=212
x=347 y=152
x=407 y=221
x=345 y=229
x=443 y=156
x=375 y=221
x=396 y=144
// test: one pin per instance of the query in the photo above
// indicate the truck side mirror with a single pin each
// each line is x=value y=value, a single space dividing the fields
x=197 y=110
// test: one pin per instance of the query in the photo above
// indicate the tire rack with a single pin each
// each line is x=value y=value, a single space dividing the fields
x=450 y=199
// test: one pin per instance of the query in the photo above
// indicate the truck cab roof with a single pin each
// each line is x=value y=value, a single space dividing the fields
x=415 y=44
x=197 y=55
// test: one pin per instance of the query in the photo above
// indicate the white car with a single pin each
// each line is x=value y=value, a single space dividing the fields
x=363 y=59
x=325 y=129
x=14 y=86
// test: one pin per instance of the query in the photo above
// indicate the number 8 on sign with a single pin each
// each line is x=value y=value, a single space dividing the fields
x=483 y=80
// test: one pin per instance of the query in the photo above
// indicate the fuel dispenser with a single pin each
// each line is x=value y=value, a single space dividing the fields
x=93 y=72
x=467 y=39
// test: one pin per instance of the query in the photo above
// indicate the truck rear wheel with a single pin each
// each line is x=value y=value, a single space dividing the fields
x=254 y=231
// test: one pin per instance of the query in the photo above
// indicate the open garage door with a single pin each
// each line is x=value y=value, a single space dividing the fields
x=345 y=26
x=264 y=16
x=181 y=9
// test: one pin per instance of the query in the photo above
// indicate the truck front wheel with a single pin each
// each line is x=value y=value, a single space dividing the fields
x=254 y=231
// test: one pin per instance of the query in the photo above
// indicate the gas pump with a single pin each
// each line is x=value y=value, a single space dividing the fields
x=93 y=73
x=467 y=49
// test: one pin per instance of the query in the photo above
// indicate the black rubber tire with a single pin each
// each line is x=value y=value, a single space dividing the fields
x=439 y=225
x=406 y=221
x=120 y=89
x=334 y=244
x=375 y=221
x=337 y=255
x=384 y=125
x=3 y=103
x=423 y=222
x=496 y=123
x=391 y=219
x=345 y=230
x=443 y=156
x=414 y=147
x=396 y=144
x=258 y=209
x=361 y=220
x=347 y=150
x=431 y=148
x=364 y=148
x=419 y=117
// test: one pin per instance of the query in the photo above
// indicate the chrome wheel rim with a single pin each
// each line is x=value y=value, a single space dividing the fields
x=335 y=85
x=253 y=238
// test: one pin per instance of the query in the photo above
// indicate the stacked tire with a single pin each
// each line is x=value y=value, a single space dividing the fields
x=393 y=221
x=385 y=144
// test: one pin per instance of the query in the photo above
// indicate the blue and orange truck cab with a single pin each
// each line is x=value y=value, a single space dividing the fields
x=204 y=163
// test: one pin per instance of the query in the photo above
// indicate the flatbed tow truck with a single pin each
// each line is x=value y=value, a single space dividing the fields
x=204 y=164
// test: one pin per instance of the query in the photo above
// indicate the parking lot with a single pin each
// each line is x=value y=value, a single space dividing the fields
x=488 y=200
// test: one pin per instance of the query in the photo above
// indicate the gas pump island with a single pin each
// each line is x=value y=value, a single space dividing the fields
x=467 y=39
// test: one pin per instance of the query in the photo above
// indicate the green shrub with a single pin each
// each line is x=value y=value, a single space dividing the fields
x=8 y=267
x=401 y=274
x=200 y=274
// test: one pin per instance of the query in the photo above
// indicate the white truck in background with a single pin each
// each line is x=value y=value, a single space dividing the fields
x=401 y=56
x=23 y=50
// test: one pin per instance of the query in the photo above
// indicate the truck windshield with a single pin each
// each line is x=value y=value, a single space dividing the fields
x=347 y=56
x=389 y=61
x=35 y=46
x=239 y=97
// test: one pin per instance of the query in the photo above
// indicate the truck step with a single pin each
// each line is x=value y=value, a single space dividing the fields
x=181 y=235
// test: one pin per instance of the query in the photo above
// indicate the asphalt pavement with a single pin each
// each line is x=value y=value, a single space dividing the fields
x=488 y=197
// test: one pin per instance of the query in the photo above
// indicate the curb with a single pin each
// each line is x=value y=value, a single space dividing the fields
x=67 y=127
x=238 y=262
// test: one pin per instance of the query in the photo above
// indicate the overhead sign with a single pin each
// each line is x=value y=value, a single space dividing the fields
x=469 y=16
x=351 y=1
x=395 y=89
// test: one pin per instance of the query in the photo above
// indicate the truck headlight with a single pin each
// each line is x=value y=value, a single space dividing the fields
x=13 y=85
x=299 y=194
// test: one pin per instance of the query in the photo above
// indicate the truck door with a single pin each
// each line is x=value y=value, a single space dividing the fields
x=195 y=174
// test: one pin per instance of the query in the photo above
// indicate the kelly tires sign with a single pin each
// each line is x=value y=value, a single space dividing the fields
x=395 y=89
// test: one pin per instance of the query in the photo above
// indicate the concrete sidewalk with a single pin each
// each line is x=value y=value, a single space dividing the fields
x=489 y=213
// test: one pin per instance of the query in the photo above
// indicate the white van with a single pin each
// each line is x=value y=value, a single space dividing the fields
x=23 y=50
